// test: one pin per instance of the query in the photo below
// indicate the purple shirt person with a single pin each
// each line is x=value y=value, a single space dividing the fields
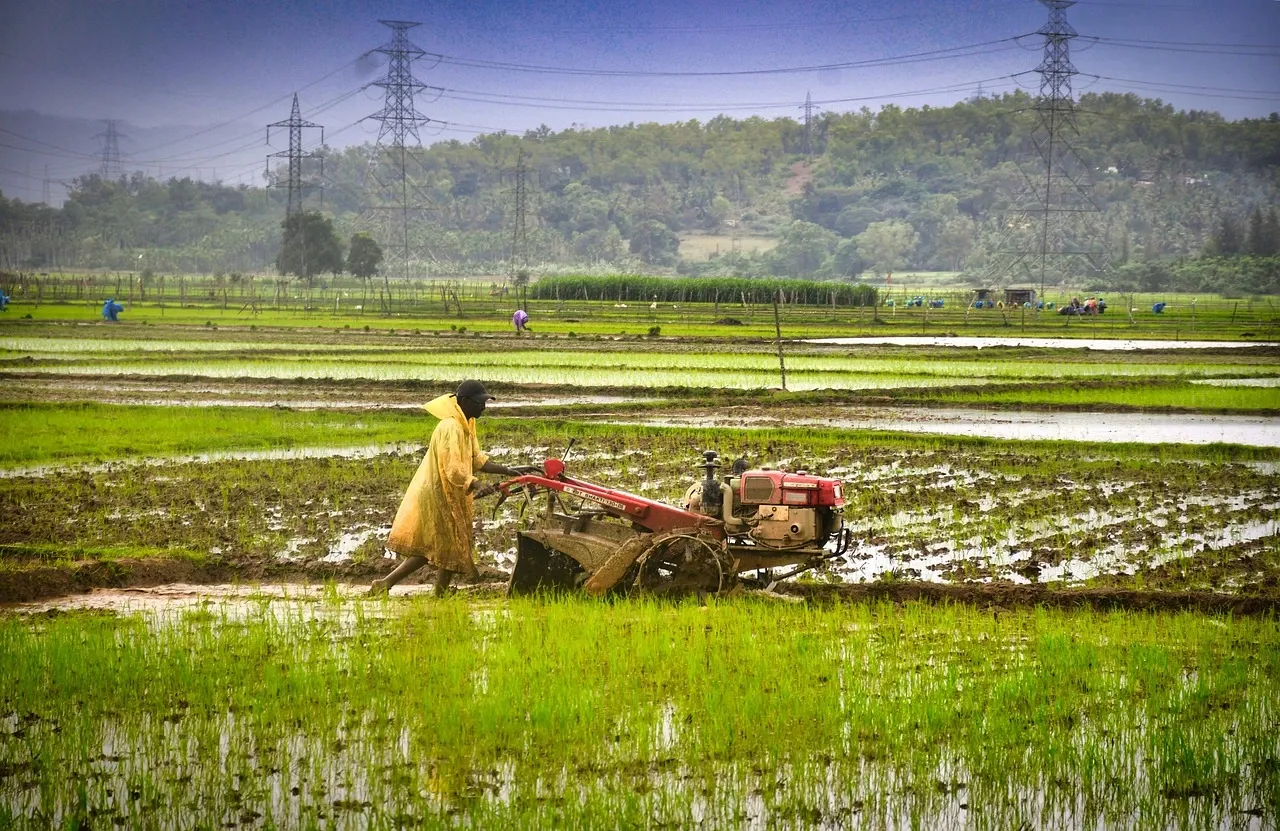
x=520 y=320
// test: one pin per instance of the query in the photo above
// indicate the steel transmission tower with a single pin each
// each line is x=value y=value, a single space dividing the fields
x=520 y=228
x=389 y=191
x=1048 y=231
x=110 y=167
x=293 y=179
x=808 y=126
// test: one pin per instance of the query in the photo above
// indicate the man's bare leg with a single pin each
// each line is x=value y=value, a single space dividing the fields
x=409 y=566
x=442 y=581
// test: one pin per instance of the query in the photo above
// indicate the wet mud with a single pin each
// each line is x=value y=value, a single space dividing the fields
x=123 y=585
x=945 y=512
x=1003 y=596
x=302 y=394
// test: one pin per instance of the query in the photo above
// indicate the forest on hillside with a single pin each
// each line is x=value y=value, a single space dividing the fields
x=863 y=193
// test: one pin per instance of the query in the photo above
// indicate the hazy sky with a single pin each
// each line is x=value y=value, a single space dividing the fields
x=200 y=64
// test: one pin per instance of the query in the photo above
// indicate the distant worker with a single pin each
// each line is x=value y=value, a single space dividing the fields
x=1158 y=308
x=434 y=521
x=520 y=320
x=111 y=311
x=4 y=302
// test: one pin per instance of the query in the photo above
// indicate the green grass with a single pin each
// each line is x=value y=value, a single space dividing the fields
x=530 y=714
x=88 y=432
x=45 y=433
x=1211 y=317
x=20 y=556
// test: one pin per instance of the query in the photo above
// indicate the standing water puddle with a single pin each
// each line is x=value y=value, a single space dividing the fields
x=1100 y=344
x=1256 y=431
x=235 y=599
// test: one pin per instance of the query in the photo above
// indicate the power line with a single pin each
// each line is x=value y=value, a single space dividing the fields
x=73 y=153
x=1188 y=43
x=811 y=24
x=1199 y=87
x=254 y=111
x=965 y=51
x=1238 y=50
x=653 y=107
x=1189 y=89
x=252 y=135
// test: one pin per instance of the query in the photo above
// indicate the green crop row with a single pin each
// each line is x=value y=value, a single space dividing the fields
x=728 y=290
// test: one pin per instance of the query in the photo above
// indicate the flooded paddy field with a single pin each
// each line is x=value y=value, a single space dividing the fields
x=1070 y=622
x=947 y=510
x=635 y=365
x=1036 y=425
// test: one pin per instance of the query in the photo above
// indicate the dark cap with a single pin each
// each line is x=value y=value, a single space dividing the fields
x=473 y=390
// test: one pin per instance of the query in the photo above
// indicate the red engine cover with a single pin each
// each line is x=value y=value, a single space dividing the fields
x=776 y=487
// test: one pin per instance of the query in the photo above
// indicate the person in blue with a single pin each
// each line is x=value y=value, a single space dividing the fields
x=4 y=301
x=111 y=311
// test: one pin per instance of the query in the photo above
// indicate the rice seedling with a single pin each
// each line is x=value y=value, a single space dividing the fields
x=739 y=712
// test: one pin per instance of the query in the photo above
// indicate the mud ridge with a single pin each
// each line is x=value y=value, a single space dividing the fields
x=24 y=585
x=45 y=582
x=1006 y=596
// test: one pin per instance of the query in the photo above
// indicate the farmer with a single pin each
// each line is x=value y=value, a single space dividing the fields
x=111 y=311
x=4 y=301
x=434 y=521
x=520 y=320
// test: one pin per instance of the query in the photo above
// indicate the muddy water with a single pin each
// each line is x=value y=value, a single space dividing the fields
x=234 y=599
x=1256 y=431
x=1105 y=345
x=1239 y=382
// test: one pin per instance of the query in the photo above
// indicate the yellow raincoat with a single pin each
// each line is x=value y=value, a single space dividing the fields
x=435 y=517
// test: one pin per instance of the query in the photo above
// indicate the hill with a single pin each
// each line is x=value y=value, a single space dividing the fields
x=925 y=185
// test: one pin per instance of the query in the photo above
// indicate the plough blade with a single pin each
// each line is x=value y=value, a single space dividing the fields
x=539 y=568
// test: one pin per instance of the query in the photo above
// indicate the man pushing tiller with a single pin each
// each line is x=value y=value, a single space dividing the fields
x=435 y=520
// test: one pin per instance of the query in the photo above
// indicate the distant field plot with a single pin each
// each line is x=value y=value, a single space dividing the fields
x=705 y=246
x=623 y=305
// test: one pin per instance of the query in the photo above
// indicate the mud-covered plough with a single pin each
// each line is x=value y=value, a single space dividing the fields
x=599 y=539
